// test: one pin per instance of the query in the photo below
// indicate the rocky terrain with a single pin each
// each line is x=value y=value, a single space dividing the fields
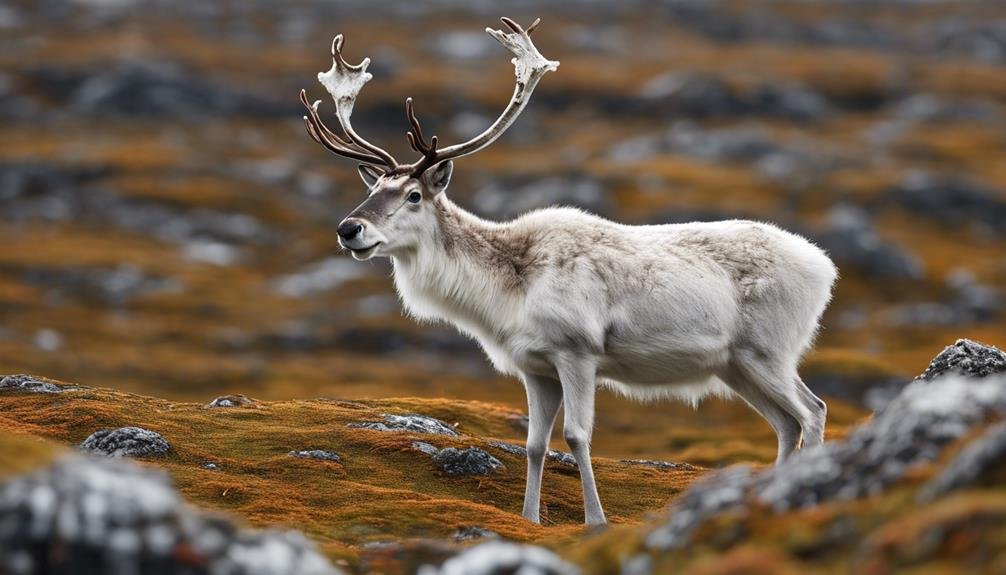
x=393 y=487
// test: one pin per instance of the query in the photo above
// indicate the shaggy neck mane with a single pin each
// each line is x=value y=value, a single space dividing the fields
x=469 y=271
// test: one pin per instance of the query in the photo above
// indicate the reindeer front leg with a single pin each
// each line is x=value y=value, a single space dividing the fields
x=544 y=396
x=578 y=377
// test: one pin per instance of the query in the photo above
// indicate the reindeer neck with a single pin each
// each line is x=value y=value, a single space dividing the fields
x=468 y=271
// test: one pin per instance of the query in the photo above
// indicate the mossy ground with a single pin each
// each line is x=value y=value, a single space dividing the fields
x=382 y=490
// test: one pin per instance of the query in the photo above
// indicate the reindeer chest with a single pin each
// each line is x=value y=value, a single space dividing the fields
x=495 y=321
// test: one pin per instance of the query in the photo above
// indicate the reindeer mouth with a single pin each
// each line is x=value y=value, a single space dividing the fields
x=364 y=253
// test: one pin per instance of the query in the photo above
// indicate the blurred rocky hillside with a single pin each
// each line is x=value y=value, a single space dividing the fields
x=168 y=227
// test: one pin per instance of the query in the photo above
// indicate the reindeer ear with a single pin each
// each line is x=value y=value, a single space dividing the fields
x=370 y=174
x=438 y=178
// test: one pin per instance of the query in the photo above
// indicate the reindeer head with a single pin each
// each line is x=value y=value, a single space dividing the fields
x=398 y=210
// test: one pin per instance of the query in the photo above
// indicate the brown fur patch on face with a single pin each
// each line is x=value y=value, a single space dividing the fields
x=388 y=196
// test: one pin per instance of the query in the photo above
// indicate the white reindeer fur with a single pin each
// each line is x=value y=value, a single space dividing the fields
x=680 y=311
x=565 y=299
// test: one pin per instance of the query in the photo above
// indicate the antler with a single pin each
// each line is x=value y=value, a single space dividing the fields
x=529 y=66
x=344 y=81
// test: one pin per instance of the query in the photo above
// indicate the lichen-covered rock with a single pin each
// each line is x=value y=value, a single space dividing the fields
x=561 y=457
x=28 y=383
x=472 y=533
x=503 y=558
x=236 y=400
x=977 y=459
x=126 y=441
x=662 y=465
x=511 y=448
x=412 y=422
x=316 y=454
x=426 y=448
x=724 y=490
x=514 y=449
x=471 y=461
x=968 y=358
x=912 y=429
x=90 y=515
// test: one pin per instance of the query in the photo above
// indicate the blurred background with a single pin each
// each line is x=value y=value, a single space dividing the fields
x=168 y=228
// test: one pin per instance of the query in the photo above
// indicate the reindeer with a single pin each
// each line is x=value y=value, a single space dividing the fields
x=569 y=302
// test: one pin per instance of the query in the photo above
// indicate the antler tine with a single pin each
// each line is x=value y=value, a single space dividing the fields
x=321 y=134
x=344 y=82
x=416 y=138
x=529 y=67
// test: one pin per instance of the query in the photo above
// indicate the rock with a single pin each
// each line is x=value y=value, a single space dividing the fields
x=509 y=199
x=968 y=358
x=210 y=466
x=28 y=383
x=462 y=45
x=424 y=447
x=316 y=454
x=502 y=558
x=148 y=88
x=741 y=144
x=35 y=192
x=236 y=400
x=319 y=277
x=561 y=457
x=724 y=490
x=48 y=340
x=952 y=201
x=932 y=108
x=115 y=286
x=473 y=533
x=967 y=302
x=471 y=461
x=514 y=449
x=983 y=40
x=751 y=144
x=696 y=95
x=413 y=422
x=978 y=459
x=851 y=238
x=972 y=300
x=85 y=514
x=126 y=441
x=511 y=448
x=662 y=465
x=913 y=429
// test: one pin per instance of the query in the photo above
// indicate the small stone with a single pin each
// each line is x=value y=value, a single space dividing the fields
x=211 y=466
x=561 y=457
x=237 y=400
x=511 y=448
x=472 y=533
x=316 y=454
x=126 y=441
x=514 y=449
x=28 y=383
x=425 y=447
x=471 y=461
x=412 y=422
x=663 y=465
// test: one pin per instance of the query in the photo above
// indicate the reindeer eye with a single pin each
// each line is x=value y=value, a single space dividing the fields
x=414 y=197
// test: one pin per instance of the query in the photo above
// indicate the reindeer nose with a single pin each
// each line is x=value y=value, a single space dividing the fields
x=349 y=229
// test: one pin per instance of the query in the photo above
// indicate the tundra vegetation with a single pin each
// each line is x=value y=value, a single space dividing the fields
x=170 y=261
